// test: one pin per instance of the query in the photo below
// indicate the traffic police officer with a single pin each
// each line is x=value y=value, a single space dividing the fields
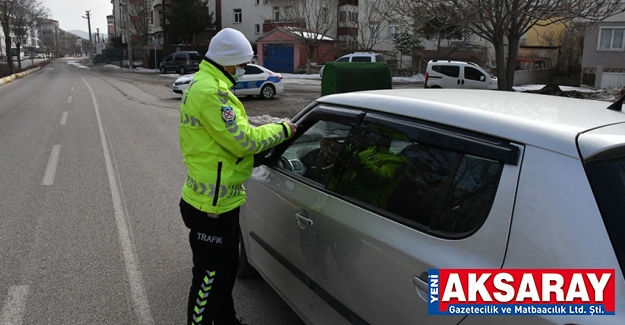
x=218 y=146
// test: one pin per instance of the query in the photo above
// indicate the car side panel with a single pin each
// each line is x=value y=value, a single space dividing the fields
x=542 y=230
x=250 y=84
x=276 y=245
x=367 y=262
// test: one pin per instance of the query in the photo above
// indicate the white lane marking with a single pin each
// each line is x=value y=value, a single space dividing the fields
x=13 y=310
x=48 y=176
x=69 y=100
x=64 y=118
x=135 y=278
x=72 y=89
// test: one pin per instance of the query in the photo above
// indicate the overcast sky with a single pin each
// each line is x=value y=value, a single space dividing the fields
x=69 y=14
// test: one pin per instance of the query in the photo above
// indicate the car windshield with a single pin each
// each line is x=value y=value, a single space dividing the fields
x=607 y=178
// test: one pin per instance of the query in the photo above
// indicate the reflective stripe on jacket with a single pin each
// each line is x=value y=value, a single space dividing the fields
x=218 y=143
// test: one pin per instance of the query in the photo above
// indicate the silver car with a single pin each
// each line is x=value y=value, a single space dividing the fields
x=345 y=220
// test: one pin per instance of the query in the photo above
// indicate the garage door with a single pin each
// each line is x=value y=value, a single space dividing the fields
x=278 y=57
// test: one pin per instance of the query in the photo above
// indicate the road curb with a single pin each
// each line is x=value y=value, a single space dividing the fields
x=18 y=75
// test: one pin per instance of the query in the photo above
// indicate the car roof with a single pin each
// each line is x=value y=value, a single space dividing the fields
x=545 y=121
x=361 y=53
x=450 y=62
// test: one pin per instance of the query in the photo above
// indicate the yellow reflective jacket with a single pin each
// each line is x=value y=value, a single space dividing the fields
x=218 y=143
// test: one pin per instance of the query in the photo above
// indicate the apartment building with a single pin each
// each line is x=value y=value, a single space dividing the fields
x=50 y=36
x=349 y=25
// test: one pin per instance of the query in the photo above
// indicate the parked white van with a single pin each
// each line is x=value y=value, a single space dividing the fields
x=457 y=74
x=358 y=57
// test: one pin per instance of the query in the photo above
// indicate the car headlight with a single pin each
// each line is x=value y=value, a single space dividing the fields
x=178 y=83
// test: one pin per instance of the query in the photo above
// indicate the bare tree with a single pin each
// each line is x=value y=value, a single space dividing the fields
x=370 y=26
x=140 y=14
x=409 y=19
x=310 y=22
x=6 y=12
x=504 y=22
x=24 y=19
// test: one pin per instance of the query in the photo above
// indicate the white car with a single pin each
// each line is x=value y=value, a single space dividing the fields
x=457 y=74
x=257 y=81
x=378 y=188
x=358 y=57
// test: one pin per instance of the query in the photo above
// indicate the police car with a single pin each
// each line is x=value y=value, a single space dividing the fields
x=257 y=81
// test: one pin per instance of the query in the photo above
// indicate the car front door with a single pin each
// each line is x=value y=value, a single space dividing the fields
x=411 y=197
x=474 y=78
x=167 y=63
x=284 y=198
x=251 y=81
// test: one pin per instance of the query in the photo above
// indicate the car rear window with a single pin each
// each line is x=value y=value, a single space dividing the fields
x=607 y=178
x=448 y=70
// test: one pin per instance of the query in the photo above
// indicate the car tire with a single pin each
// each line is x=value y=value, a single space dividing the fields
x=163 y=70
x=245 y=269
x=267 y=91
x=182 y=70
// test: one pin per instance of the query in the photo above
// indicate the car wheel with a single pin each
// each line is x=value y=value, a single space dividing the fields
x=267 y=91
x=182 y=70
x=163 y=70
x=245 y=269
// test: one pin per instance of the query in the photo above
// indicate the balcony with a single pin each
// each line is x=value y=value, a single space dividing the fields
x=156 y=28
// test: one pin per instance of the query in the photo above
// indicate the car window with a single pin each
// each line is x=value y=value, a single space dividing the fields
x=607 y=178
x=313 y=154
x=473 y=74
x=448 y=70
x=249 y=69
x=180 y=57
x=195 y=56
x=438 y=190
x=170 y=58
x=361 y=59
x=343 y=60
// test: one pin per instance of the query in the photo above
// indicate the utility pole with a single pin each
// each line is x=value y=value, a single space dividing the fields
x=89 y=23
x=97 y=36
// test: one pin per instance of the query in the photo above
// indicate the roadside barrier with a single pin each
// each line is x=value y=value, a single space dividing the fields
x=18 y=75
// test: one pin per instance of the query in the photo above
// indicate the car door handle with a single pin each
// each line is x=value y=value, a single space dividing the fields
x=422 y=285
x=419 y=282
x=302 y=219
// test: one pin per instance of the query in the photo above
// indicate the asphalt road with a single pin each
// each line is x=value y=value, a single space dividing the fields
x=90 y=231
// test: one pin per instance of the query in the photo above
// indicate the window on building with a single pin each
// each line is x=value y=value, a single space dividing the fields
x=238 y=16
x=257 y=28
x=375 y=30
x=353 y=17
x=393 y=29
x=348 y=16
x=611 y=38
x=276 y=13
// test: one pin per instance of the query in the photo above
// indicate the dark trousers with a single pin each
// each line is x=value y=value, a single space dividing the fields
x=215 y=247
